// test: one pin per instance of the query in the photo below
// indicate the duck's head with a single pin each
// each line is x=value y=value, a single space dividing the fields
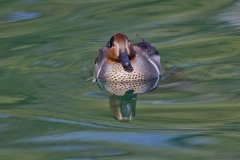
x=120 y=51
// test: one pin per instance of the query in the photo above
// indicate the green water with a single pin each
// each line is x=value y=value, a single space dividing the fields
x=48 y=110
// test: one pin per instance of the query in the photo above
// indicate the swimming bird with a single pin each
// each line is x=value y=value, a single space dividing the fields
x=121 y=61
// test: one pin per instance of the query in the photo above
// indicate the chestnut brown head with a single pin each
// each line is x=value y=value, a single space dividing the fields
x=120 y=51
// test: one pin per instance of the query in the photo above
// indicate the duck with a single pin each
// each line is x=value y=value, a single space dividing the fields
x=122 y=61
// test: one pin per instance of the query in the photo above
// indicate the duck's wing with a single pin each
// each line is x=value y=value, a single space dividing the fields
x=151 y=53
x=99 y=61
x=147 y=48
x=102 y=54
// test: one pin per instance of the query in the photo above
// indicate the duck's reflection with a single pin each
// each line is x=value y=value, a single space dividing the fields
x=123 y=107
x=123 y=96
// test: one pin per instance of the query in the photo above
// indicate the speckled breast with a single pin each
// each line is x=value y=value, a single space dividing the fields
x=137 y=86
x=141 y=71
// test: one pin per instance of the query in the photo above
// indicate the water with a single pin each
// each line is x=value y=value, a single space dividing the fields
x=49 y=111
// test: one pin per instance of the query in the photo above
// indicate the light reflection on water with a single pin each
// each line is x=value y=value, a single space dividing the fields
x=145 y=140
x=22 y=15
x=49 y=111
x=129 y=138
x=232 y=15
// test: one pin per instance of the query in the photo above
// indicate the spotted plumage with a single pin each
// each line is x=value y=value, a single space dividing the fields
x=121 y=60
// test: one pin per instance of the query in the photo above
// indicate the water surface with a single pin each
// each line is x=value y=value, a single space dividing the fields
x=49 y=111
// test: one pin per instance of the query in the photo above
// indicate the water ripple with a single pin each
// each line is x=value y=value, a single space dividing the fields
x=17 y=16
x=198 y=99
x=232 y=16
x=140 y=139
x=86 y=124
x=3 y=116
x=131 y=138
x=101 y=125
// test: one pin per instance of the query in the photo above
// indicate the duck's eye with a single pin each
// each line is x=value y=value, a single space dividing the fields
x=110 y=43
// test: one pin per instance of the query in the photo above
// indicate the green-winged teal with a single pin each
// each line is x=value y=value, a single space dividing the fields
x=122 y=61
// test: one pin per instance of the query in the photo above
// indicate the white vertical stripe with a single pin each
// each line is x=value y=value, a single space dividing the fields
x=99 y=70
x=155 y=66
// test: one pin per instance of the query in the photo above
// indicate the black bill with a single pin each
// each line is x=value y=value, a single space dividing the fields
x=124 y=59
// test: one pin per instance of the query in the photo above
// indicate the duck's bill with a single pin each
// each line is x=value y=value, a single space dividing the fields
x=124 y=59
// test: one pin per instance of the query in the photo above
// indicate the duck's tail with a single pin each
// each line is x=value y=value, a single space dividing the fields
x=139 y=37
x=90 y=79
